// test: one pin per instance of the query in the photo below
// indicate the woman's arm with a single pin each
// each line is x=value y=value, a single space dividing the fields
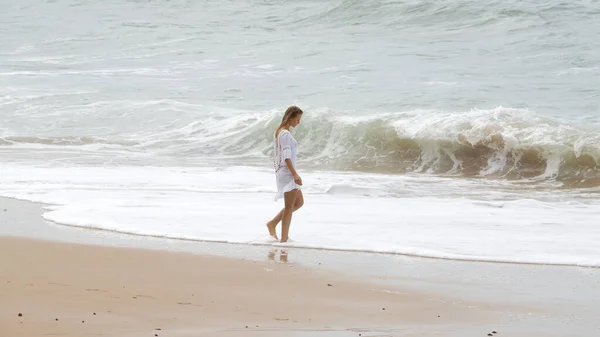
x=290 y=166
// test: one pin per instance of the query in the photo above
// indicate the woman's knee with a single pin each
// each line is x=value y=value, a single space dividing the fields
x=299 y=203
x=299 y=200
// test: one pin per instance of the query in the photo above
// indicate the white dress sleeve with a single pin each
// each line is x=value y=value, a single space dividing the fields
x=285 y=144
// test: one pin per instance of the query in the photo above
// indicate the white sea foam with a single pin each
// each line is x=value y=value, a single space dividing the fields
x=144 y=128
x=342 y=212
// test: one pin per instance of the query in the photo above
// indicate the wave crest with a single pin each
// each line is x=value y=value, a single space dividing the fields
x=501 y=143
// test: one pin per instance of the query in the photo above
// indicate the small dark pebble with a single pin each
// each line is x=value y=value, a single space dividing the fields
x=155 y=335
x=329 y=285
x=438 y=315
x=82 y=321
x=56 y=319
x=158 y=329
x=382 y=308
x=490 y=334
x=20 y=315
x=246 y=327
x=134 y=297
x=494 y=332
x=94 y=314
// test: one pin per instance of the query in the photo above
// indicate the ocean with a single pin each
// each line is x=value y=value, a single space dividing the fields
x=462 y=130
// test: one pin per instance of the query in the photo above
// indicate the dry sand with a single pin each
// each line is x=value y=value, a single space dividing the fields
x=63 y=289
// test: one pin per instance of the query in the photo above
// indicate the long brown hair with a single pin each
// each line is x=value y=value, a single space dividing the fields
x=290 y=112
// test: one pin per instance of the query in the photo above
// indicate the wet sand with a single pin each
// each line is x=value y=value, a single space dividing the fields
x=71 y=289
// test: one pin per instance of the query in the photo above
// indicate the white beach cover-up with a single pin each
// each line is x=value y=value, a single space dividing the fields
x=285 y=147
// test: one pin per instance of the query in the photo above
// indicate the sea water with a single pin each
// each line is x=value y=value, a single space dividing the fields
x=462 y=130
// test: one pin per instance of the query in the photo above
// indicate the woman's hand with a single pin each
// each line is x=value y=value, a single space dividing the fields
x=297 y=179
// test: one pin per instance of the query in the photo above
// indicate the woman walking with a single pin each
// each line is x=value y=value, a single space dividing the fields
x=288 y=181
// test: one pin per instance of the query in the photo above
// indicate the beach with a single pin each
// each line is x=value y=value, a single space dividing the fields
x=74 y=290
x=117 y=285
x=449 y=154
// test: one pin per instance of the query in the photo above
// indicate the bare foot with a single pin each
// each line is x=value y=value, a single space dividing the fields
x=272 y=232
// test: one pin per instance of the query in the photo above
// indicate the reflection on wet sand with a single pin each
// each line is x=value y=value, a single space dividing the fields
x=283 y=255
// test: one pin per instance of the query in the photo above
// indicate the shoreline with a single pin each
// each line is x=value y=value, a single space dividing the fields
x=290 y=245
x=357 y=251
x=535 y=299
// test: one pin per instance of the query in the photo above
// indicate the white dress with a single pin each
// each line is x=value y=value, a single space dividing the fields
x=285 y=147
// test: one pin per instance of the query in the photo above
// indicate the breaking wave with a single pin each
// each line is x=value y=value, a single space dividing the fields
x=501 y=143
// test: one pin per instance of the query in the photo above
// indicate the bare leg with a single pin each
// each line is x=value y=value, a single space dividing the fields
x=290 y=199
x=271 y=225
x=272 y=232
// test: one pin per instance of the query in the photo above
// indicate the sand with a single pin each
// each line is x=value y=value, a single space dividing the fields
x=77 y=290
x=77 y=282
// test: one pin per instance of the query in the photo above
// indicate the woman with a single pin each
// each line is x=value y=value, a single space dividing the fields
x=288 y=181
